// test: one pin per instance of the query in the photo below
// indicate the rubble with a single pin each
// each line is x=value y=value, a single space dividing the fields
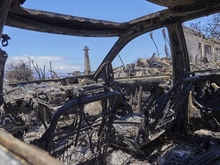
x=28 y=110
x=153 y=66
x=158 y=110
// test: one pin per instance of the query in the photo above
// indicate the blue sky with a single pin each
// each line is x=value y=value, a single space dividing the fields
x=66 y=52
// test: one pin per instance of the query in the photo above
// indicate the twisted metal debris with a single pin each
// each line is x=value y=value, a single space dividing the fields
x=154 y=111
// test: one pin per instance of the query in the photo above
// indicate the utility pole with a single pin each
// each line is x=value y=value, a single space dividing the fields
x=87 y=68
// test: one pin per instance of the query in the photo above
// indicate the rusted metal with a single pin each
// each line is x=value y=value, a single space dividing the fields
x=4 y=8
x=83 y=116
x=78 y=26
x=71 y=107
x=3 y=58
x=173 y=3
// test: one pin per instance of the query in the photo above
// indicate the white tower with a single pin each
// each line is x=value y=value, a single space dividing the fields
x=87 y=69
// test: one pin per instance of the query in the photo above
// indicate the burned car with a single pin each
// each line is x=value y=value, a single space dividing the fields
x=170 y=118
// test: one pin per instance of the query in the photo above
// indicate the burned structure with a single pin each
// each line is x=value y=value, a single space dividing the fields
x=200 y=47
x=167 y=119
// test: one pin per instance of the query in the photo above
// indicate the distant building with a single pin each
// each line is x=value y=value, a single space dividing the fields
x=199 y=46
x=87 y=68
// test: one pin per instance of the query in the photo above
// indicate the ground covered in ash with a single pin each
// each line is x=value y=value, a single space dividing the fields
x=24 y=104
x=169 y=149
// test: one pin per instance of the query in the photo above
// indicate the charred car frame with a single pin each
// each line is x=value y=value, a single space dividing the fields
x=189 y=104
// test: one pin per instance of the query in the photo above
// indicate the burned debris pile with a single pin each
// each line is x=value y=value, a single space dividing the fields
x=129 y=120
x=153 y=66
x=156 y=111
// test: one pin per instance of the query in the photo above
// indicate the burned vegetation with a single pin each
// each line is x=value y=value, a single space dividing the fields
x=156 y=111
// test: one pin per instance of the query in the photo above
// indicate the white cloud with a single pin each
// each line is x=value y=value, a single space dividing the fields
x=59 y=64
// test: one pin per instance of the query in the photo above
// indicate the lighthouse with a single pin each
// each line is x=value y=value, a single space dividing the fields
x=87 y=68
